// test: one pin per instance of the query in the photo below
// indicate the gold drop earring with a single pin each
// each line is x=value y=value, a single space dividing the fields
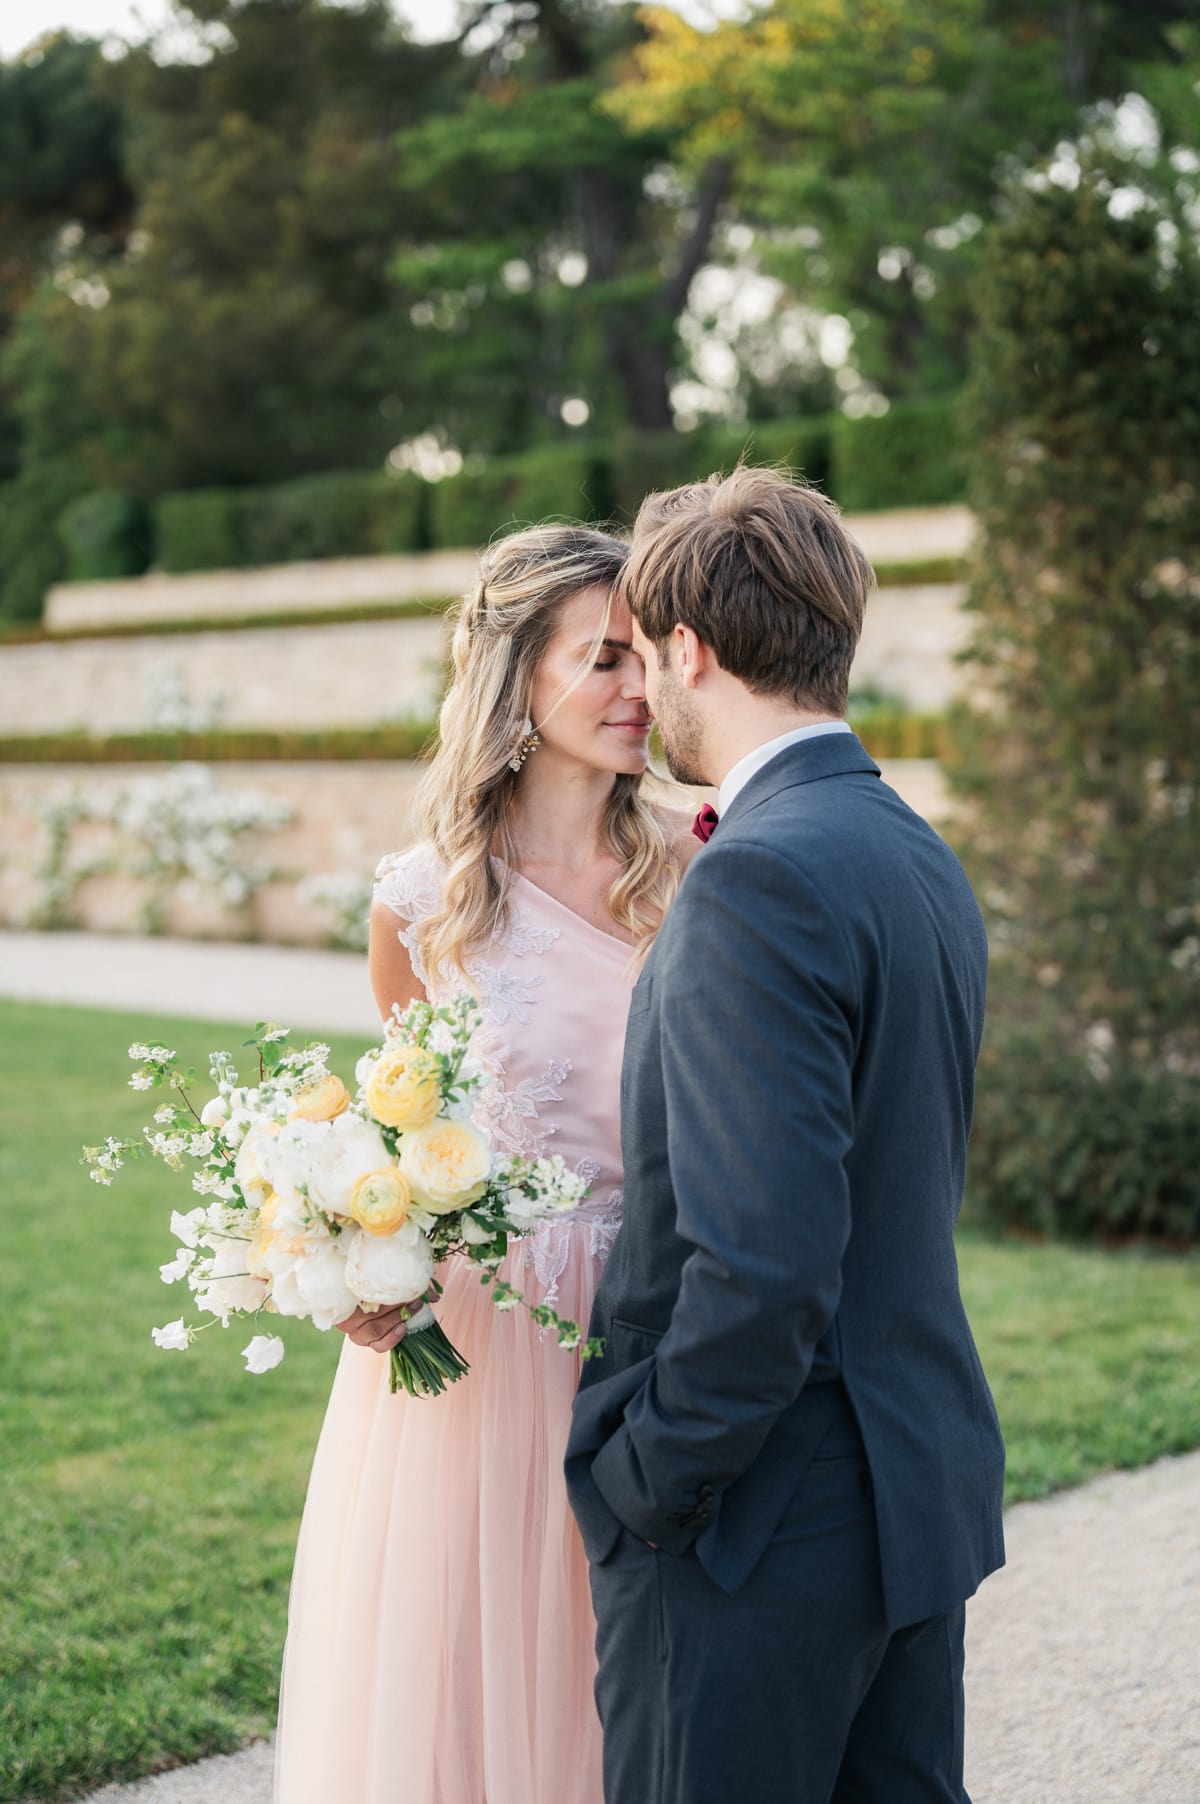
x=530 y=741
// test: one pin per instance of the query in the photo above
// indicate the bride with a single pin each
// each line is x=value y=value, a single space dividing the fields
x=440 y=1638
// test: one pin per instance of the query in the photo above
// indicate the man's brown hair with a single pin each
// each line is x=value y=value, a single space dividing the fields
x=763 y=571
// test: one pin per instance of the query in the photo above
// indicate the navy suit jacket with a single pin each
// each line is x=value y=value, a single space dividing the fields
x=796 y=1101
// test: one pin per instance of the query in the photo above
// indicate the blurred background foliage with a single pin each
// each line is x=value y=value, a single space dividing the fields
x=575 y=249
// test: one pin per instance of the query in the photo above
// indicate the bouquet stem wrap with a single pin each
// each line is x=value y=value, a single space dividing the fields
x=426 y=1360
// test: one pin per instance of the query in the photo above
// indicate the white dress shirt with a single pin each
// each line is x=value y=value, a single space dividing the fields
x=752 y=763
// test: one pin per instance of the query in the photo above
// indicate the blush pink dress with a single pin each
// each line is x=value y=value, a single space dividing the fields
x=440 y=1635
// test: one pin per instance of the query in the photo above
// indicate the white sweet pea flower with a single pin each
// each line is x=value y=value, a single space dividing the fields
x=476 y=1233
x=178 y=1267
x=187 y=1227
x=264 y=1352
x=172 y=1339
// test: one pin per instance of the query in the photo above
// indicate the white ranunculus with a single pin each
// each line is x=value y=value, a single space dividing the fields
x=264 y=1352
x=248 y=1167
x=329 y=1157
x=393 y=1268
x=173 y=1338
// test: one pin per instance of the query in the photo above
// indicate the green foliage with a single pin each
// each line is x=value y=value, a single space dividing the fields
x=910 y=457
x=31 y=553
x=105 y=534
x=558 y=482
x=200 y=529
x=354 y=514
x=1079 y=768
x=389 y=740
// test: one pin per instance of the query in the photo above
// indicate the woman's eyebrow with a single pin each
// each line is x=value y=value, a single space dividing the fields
x=612 y=644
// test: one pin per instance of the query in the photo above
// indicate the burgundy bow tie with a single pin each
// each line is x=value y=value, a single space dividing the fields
x=704 y=824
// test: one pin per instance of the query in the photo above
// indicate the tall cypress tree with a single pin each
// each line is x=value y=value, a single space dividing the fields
x=1079 y=752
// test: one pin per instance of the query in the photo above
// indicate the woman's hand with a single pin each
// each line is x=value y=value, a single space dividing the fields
x=379 y=1329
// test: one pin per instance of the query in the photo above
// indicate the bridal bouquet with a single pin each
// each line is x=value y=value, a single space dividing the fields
x=317 y=1203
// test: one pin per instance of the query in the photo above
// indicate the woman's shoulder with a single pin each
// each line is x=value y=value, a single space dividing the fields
x=409 y=882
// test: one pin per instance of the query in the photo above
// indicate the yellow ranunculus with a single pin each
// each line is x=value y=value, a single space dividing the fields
x=321 y=1101
x=447 y=1165
x=403 y=1089
x=379 y=1201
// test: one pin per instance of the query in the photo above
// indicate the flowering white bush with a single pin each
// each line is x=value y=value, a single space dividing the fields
x=177 y=828
x=346 y=898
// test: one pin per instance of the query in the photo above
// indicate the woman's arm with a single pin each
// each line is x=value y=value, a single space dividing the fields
x=394 y=982
x=392 y=976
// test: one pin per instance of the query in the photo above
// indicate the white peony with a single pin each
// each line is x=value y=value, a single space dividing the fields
x=394 y=1268
x=321 y=1278
x=264 y=1352
x=248 y=1166
x=173 y=1338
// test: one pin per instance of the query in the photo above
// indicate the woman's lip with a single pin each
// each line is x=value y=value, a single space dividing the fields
x=629 y=726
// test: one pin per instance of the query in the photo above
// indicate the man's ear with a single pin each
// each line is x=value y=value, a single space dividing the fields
x=692 y=655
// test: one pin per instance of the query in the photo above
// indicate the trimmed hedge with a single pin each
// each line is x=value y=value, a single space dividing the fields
x=886 y=732
x=914 y=456
x=554 y=482
x=911 y=457
x=106 y=534
x=200 y=529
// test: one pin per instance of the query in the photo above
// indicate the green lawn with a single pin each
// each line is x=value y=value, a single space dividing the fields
x=149 y=1501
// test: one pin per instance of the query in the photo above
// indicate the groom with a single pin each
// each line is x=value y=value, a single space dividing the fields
x=787 y=1468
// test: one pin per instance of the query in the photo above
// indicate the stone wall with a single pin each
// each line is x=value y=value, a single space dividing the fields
x=351 y=674
x=346 y=817
x=364 y=672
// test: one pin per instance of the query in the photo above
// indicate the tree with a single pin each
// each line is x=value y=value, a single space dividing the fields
x=1080 y=769
x=867 y=142
x=61 y=168
x=561 y=254
x=250 y=332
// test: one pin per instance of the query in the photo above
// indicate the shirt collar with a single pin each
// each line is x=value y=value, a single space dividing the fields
x=749 y=766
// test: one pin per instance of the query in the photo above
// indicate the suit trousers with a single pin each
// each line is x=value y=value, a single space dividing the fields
x=793 y=1691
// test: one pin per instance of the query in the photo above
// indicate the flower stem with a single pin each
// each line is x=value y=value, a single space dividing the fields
x=424 y=1363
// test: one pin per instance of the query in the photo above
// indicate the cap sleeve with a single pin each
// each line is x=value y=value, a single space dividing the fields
x=409 y=883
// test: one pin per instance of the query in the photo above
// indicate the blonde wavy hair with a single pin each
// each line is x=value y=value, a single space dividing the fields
x=501 y=631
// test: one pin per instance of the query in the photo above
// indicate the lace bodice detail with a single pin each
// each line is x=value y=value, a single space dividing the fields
x=553 y=992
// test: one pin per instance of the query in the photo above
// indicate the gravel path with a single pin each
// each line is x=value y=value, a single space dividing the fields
x=1083 y=1660
x=1083 y=1667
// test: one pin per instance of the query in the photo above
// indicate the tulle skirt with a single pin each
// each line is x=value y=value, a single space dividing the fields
x=440 y=1643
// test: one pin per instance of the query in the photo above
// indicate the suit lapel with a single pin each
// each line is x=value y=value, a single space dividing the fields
x=809 y=761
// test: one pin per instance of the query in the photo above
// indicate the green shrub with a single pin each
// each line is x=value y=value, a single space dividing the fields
x=355 y=513
x=200 y=529
x=32 y=555
x=913 y=456
x=643 y=462
x=105 y=534
x=800 y=445
x=553 y=482
x=1080 y=778
x=395 y=740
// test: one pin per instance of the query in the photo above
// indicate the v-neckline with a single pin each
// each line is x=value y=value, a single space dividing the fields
x=611 y=938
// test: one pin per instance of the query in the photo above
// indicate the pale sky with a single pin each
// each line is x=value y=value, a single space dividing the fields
x=23 y=21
